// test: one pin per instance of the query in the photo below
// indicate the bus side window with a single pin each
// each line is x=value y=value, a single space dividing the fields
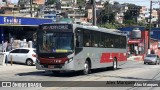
x=88 y=43
x=77 y=41
x=79 y=38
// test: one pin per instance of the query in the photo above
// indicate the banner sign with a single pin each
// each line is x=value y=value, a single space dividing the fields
x=13 y=20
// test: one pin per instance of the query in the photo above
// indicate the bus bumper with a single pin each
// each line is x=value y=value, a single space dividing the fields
x=65 y=67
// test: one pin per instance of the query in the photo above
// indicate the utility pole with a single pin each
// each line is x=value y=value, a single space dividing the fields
x=94 y=12
x=150 y=26
x=31 y=2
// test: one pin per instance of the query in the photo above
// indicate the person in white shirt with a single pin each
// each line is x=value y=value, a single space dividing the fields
x=5 y=44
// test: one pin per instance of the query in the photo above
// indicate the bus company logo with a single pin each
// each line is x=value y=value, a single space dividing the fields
x=6 y=84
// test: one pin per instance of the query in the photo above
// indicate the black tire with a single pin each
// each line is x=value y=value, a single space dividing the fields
x=56 y=72
x=156 y=63
x=144 y=63
x=29 y=62
x=114 y=67
x=87 y=68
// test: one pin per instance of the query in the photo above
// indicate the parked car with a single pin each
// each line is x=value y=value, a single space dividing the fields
x=152 y=59
x=22 y=55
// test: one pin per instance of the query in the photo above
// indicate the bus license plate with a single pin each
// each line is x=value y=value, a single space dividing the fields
x=50 y=66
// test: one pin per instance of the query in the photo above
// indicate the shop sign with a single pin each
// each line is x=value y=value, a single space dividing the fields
x=12 y=20
x=133 y=41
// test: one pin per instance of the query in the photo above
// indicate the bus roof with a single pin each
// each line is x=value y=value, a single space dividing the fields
x=101 y=29
x=94 y=28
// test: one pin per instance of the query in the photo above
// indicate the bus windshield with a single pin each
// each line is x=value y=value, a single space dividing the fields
x=56 y=42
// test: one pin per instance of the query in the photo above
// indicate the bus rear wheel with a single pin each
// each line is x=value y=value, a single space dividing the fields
x=86 y=68
x=114 y=67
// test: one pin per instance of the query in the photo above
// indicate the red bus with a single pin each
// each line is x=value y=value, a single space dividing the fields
x=72 y=47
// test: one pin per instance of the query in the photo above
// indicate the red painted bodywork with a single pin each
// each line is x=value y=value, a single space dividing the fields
x=53 y=60
x=108 y=57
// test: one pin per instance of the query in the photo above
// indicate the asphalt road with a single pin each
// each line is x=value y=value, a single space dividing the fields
x=131 y=71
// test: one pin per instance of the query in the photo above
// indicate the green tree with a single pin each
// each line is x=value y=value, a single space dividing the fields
x=132 y=13
x=129 y=22
x=49 y=2
x=81 y=2
x=107 y=15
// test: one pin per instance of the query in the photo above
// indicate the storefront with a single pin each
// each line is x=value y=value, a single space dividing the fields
x=19 y=28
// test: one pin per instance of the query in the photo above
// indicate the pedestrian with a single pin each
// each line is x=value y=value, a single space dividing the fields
x=5 y=44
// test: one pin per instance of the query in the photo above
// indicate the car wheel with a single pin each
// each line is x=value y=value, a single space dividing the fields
x=156 y=63
x=144 y=63
x=29 y=62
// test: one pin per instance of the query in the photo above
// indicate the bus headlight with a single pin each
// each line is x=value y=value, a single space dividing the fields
x=68 y=61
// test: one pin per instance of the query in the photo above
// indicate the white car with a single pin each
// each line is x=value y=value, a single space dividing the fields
x=22 y=55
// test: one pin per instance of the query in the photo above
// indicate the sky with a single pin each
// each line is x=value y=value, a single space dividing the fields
x=13 y=1
x=141 y=2
x=137 y=2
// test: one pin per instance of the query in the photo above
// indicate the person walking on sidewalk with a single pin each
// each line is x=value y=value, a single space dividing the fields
x=5 y=44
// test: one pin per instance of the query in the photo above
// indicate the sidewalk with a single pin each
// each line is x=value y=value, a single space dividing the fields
x=135 y=58
x=13 y=67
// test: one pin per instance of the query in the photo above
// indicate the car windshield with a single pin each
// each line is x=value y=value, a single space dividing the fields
x=151 y=55
x=56 y=42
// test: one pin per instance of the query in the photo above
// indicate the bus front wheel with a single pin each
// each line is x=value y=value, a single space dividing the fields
x=56 y=72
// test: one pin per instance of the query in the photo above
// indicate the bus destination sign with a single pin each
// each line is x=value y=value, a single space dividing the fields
x=56 y=27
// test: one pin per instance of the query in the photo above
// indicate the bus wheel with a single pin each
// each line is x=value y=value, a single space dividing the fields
x=114 y=67
x=56 y=72
x=86 y=68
